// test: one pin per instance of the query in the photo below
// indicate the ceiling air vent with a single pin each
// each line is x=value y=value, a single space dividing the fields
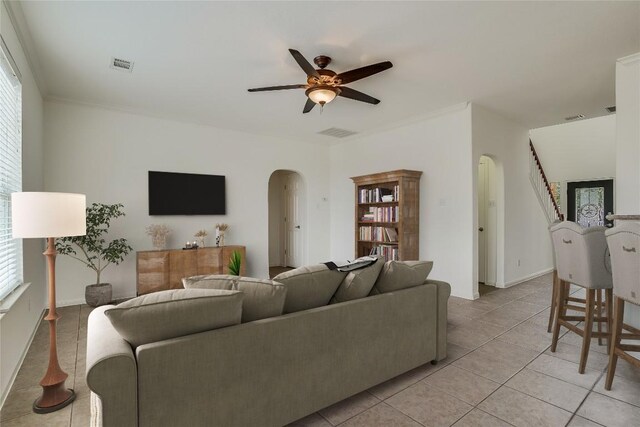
x=611 y=109
x=572 y=118
x=337 y=132
x=121 y=65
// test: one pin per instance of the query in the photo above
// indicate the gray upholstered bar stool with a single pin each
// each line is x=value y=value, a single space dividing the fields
x=624 y=244
x=555 y=284
x=581 y=259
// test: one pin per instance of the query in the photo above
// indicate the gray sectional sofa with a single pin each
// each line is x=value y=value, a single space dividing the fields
x=270 y=371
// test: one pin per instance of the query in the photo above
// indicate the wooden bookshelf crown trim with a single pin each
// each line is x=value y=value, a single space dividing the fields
x=386 y=176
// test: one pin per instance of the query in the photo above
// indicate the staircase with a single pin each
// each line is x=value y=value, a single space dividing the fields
x=542 y=188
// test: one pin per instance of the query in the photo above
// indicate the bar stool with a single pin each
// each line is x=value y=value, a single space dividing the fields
x=555 y=284
x=624 y=244
x=581 y=258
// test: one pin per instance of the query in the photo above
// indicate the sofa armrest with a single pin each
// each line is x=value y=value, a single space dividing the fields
x=444 y=291
x=111 y=371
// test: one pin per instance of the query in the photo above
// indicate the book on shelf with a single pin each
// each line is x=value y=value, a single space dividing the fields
x=381 y=214
x=389 y=253
x=392 y=234
x=374 y=195
x=378 y=234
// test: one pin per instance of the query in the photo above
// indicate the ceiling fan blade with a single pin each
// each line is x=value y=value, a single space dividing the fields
x=304 y=64
x=361 y=73
x=263 y=89
x=308 y=106
x=347 y=92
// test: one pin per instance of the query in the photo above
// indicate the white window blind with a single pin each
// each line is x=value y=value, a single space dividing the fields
x=10 y=170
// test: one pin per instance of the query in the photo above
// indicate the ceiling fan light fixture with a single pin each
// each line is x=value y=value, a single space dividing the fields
x=322 y=94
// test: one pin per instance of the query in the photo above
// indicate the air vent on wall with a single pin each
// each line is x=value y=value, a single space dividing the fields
x=121 y=65
x=572 y=118
x=611 y=109
x=337 y=132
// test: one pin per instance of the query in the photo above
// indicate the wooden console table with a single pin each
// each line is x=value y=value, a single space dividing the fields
x=162 y=270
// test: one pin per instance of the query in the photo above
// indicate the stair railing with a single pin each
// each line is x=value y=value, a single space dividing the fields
x=542 y=188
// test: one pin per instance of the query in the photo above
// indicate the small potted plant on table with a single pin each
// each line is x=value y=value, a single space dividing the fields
x=95 y=252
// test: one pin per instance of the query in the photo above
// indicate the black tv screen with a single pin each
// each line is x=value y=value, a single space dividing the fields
x=186 y=194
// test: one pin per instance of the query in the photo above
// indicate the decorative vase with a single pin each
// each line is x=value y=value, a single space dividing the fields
x=221 y=238
x=159 y=242
x=201 y=242
x=97 y=295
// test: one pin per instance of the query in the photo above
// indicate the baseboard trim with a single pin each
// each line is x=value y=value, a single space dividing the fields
x=5 y=393
x=524 y=279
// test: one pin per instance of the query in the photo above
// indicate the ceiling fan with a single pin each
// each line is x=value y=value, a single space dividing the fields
x=324 y=85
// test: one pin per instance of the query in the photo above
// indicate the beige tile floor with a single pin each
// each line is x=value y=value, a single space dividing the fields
x=499 y=372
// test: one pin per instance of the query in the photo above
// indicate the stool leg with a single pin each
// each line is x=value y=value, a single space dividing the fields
x=599 y=313
x=554 y=300
x=609 y=309
x=588 y=326
x=615 y=341
x=560 y=312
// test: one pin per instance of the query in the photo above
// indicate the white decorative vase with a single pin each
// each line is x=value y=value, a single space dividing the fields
x=159 y=242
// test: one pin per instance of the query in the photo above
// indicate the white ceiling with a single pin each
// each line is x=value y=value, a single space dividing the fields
x=534 y=62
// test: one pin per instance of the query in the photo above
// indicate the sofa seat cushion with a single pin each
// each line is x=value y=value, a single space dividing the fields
x=309 y=287
x=168 y=314
x=262 y=298
x=358 y=283
x=396 y=275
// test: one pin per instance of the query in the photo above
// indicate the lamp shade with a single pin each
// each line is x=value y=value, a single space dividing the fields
x=37 y=215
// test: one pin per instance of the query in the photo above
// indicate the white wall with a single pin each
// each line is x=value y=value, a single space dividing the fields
x=577 y=151
x=523 y=243
x=106 y=155
x=628 y=148
x=439 y=147
x=18 y=324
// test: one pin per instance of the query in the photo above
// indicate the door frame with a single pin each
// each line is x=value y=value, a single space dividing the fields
x=290 y=175
x=608 y=196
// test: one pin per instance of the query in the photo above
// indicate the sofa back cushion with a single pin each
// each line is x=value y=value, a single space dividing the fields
x=168 y=314
x=262 y=298
x=358 y=283
x=309 y=287
x=396 y=275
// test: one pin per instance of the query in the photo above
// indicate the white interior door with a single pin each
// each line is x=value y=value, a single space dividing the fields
x=482 y=221
x=293 y=220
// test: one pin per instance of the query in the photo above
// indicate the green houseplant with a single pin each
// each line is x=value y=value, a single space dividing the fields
x=94 y=251
x=235 y=261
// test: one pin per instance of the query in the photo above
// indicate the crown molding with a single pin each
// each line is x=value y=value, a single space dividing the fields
x=16 y=16
x=629 y=59
x=406 y=122
x=167 y=117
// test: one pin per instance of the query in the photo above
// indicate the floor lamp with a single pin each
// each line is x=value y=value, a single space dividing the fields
x=50 y=215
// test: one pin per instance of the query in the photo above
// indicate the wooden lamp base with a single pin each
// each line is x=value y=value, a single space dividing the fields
x=53 y=398
x=55 y=395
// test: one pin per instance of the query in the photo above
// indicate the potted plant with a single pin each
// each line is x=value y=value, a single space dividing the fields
x=235 y=263
x=95 y=252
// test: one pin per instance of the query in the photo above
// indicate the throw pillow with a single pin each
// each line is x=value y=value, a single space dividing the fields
x=262 y=298
x=358 y=283
x=309 y=287
x=168 y=314
x=396 y=275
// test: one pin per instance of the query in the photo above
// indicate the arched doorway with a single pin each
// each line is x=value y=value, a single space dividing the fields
x=287 y=231
x=487 y=224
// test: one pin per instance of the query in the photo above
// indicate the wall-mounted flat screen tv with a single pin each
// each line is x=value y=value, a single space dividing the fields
x=186 y=194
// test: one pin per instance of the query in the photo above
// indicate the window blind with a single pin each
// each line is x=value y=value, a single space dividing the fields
x=10 y=170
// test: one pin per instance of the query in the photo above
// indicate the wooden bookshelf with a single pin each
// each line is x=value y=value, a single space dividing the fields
x=401 y=214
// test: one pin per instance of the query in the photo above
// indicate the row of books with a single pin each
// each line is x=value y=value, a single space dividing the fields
x=378 y=195
x=381 y=214
x=389 y=253
x=378 y=234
